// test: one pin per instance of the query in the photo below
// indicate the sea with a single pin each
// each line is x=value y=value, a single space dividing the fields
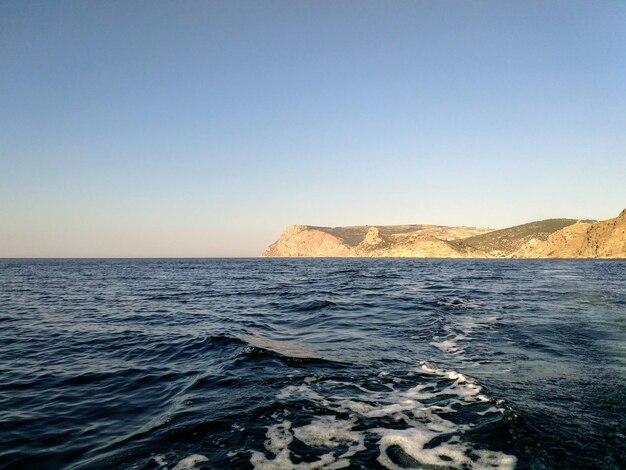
x=312 y=364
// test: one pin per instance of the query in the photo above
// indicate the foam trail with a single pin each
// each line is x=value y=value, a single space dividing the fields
x=423 y=433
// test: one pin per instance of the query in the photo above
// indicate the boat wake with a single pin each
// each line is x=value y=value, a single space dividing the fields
x=424 y=417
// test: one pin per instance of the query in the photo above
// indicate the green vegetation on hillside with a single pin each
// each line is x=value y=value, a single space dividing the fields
x=354 y=235
x=511 y=239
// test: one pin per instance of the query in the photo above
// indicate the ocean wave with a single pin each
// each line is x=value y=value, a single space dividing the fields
x=306 y=306
x=257 y=352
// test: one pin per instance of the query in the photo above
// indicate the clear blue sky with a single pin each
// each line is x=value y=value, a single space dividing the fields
x=144 y=128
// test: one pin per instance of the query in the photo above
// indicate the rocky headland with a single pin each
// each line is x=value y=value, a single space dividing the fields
x=552 y=238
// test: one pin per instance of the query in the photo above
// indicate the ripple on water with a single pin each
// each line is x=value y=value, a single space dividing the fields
x=310 y=363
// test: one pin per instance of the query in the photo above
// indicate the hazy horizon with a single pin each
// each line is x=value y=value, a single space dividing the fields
x=198 y=129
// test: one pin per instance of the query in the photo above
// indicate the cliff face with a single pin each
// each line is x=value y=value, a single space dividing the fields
x=605 y=239
x=371 y=241
x=507 y=241
x=563 y=243
x=553 y=238
x=301 y=240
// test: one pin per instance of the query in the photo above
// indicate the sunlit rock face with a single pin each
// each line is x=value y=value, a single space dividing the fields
x=373 y=241
x=605 y=239
x=564 y=243
x=301 y=240
x=552 y=238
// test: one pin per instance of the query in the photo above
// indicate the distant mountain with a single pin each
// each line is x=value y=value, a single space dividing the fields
x=552 y=238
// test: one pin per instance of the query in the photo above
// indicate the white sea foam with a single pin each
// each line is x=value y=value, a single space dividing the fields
x=457 y=336
x=450 y=341
x=454 y=302
x=449 y=345
x=324 y=432
x=423 y=431
x=189 y=463
x=299 y=390
x=160 y=460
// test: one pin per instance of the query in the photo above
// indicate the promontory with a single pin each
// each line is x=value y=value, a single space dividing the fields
x=551 y=238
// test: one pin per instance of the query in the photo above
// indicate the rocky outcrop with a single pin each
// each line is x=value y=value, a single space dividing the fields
x=506 y=242
x=553 y=238
x=372 y=241
x=301 y=240
x=563 y=243
x=605 y=239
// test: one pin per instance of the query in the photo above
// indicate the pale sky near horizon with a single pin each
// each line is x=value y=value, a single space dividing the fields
x=165 y=129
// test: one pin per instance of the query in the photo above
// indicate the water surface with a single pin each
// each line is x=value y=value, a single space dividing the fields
x=328 y=363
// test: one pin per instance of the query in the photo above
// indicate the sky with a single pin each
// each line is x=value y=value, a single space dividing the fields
x=193 y=129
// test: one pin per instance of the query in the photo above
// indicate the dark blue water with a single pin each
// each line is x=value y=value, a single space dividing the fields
x=346 y=363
